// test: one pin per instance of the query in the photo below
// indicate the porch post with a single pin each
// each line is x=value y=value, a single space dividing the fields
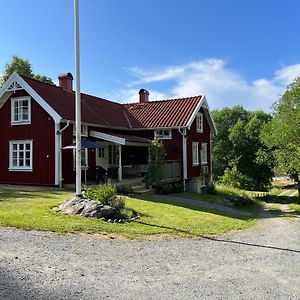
x=184 y=158
x=120 y=163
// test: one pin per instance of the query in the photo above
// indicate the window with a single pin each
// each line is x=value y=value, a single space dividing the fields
x=199 y=122
x=204 y=153
x=101 y=152
x=20 y=155
x=195 y=154
x=84 y=130
x=84 y=159
x=113 y=155
x=164 y=134
x=20 y=110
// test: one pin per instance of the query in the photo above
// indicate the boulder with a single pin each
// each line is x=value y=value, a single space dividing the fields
x=86 y=208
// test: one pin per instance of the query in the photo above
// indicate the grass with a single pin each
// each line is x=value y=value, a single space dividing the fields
x=33 y=210
x=222 y=191
x=295 y=207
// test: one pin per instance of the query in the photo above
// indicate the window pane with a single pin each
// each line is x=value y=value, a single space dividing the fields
x=15 y=147
x=24 y=103
x=27 y=146
x=27 y=162
x=27 y=155
x=21 y=147
x=15 y=162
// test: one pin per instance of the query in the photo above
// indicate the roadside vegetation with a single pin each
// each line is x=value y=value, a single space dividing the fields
x=34 y=210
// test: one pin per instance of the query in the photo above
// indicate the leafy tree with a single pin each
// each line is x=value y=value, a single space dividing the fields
x=282 y=134
x=225 y=119
x=157 y=156
x=22 y=67
x=237 y=149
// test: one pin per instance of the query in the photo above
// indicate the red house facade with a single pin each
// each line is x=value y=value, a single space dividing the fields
x=36 y=122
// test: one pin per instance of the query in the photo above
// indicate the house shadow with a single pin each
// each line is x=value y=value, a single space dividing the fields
x=19 y=193
x=216 y=209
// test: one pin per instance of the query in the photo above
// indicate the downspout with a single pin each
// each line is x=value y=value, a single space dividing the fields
x=59 y=134
x=184 y=156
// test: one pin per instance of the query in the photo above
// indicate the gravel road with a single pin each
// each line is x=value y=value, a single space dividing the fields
x=259 y=263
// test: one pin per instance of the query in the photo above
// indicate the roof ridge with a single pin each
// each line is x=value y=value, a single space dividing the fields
x=163 y=100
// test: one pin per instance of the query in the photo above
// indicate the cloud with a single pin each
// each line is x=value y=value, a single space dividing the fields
x=222 y=85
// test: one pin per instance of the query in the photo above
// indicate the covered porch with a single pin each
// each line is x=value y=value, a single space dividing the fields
x=122 y=156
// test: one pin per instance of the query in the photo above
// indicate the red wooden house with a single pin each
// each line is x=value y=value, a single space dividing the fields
x=37 y=122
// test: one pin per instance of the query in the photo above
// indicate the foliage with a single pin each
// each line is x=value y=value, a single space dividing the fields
x=170 y=188
x=124 y=213
x=234 y=178
x=282 y=134
x=22 y=67
x=157 y=156
x=239 y=156
x=103 y=193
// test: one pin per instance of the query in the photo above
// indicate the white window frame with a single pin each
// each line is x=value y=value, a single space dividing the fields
x=84 y=130
x=83 y=167
x=203 y=153
x=195 y=153
x=162 y=134
x=199 y=122
x=17 y=167
x=18 y=100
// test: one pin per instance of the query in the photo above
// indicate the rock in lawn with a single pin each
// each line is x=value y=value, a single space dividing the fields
x=86 y=208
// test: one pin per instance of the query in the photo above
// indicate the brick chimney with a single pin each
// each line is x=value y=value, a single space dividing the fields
x=66 y=81
x=144 y=96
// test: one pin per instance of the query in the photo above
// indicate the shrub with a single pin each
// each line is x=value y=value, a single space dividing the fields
x=124 y=213
x=103 y=193
x=118 y=202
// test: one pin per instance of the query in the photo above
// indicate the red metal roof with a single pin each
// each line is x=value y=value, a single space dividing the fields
x=152 y=114
x=93 y=109
x=165 y=113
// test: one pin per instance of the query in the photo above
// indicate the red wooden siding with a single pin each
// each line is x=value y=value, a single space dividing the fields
x=194 y=136
x=41 y=132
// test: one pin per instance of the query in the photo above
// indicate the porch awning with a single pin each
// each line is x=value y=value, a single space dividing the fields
x=120 y=138
x=84 y=144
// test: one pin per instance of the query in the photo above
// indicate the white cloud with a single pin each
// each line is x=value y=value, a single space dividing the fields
x=222 y=85
x=287 y=74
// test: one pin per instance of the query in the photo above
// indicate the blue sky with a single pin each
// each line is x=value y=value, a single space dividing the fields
x=233 y=51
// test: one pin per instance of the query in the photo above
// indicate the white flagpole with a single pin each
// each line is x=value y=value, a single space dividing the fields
x=77 y=101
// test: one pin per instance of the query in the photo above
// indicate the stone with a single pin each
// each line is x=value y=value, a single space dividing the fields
x=86 y=208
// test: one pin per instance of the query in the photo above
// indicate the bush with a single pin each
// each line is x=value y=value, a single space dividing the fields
x=103 y=193
x=124 y=213
x=118 y=203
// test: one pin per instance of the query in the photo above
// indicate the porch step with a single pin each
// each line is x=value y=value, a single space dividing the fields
x=142 y=189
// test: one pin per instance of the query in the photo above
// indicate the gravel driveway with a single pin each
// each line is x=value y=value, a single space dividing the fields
x=259 y=263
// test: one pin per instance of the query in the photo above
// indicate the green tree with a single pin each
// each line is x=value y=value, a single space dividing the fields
x=282 y=134
x=225 y=119
x=157 y=156
x=237 y=149
x=22 y=67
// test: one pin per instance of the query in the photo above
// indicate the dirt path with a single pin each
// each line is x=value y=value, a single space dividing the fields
x=259 y=263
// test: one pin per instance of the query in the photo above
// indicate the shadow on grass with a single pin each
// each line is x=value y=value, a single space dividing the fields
x=19 y=194
x=220 y=240
x=281 y=199
x=192 y=204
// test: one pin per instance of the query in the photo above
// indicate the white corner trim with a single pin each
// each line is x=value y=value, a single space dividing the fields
x=107 y=137
x=203 y=102
x=57 y=155
x=16 y=78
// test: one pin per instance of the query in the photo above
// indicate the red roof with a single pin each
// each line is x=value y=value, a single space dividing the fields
x=152 y=114
x=165 y=113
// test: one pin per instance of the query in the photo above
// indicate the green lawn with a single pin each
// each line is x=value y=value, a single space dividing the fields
x=221 y=192
x=33 y=210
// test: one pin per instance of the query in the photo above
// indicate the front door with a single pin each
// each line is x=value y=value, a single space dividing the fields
x=102 y=157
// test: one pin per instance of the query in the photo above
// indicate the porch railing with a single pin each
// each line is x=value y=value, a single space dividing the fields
x=171 y=170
